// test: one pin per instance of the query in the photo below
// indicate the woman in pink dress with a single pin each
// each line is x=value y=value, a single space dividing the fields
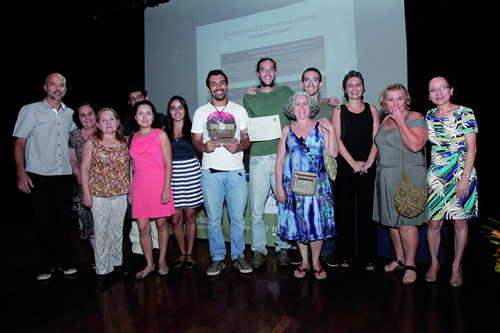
x=150 y=193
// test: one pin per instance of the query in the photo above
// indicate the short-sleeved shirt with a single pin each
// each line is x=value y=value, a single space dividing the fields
x=47 y=133
x=263 y=105
x=234 y=114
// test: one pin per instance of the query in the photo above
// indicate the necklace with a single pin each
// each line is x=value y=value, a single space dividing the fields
x=220 y=112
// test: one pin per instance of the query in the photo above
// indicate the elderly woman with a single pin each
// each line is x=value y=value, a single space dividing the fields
x=356 y=124
x=307 y=219
x=85 y=119
x=451 y=176
x=105 y=185
x=401 y=130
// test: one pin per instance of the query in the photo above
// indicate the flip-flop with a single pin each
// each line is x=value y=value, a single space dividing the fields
x=300 y=273
x=317 y=274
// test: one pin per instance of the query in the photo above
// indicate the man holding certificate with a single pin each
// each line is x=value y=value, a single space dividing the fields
x=218 y=132
x=269 y=101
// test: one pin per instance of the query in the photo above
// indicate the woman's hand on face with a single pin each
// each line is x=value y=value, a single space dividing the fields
x=398 y=114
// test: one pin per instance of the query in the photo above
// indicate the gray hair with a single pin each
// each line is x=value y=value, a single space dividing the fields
x=313 y=107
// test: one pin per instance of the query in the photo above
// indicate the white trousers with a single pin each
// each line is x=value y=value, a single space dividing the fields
x=108 y=214
x=135 y=238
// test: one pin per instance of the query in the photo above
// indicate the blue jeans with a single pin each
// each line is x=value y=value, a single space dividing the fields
x=232 y=186
x=262 y=178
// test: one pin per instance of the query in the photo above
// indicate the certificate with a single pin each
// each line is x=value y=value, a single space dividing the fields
x=264 y=128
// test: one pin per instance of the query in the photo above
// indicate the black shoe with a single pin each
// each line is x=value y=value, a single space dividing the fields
x=137 y=260
x=121 y=270
x=295 y=257
x=330 y=260
x=282 y=257
x=156 y=255
x=102 y=280
x=258 y=260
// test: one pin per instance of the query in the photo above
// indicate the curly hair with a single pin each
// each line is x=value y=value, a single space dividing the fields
x=76 y=114
x=313 y=107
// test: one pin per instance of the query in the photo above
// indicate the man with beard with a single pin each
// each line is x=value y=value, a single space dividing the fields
x=223 y=173
x=41 y=154
x=269 y=99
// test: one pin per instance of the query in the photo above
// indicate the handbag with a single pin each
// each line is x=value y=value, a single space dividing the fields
x=303 y=182
x=330 y=165
x=410 y=200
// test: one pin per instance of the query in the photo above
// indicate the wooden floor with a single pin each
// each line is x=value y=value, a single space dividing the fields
x=269 y=300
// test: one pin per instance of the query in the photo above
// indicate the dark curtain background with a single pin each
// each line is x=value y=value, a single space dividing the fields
x=99 y=47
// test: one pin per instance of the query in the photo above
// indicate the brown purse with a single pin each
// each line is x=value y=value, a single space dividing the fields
x=410 y=200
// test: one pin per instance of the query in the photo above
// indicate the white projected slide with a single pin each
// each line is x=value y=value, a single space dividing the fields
x=185 y=39
x=296 y=37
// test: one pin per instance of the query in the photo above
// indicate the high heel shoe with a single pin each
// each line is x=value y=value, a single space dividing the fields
x=457 y=282
x=142 y=274
x=429 y=277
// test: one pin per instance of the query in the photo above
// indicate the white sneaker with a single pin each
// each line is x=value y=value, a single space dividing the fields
x=45 y=276
x=67 y=271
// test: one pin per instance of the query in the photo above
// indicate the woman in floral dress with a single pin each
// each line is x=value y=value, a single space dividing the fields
x=451 y=176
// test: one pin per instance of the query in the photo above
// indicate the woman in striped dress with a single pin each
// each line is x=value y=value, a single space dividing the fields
x=186 y=178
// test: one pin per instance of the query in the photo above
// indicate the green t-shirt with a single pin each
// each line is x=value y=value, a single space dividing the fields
x=263 y=105
x=325 y=111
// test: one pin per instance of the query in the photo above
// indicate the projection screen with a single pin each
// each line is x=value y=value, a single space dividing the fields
x=184 y=39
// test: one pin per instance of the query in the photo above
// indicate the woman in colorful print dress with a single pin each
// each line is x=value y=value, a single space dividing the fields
x=451 y=176
x=105 y=184
x=307 y=219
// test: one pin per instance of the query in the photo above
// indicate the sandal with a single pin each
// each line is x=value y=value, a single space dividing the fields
x=346 y=264
x=300 y=273
x=142 y=274
x=320 y=274
x=178 y=263
x=389 y=267
x=370 y=267
x=163 y=271
x=408 y=281
x=189 y=264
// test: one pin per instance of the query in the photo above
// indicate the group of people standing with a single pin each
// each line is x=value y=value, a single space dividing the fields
x=148 y=163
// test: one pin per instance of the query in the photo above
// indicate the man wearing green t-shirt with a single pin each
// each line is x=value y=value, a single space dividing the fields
x=269 y=99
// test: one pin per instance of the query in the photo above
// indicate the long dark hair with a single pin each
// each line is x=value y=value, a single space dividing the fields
x=155 y=124
x=186 y=127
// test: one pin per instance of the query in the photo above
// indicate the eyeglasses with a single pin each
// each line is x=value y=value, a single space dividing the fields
x=442 y=89
x=313 y=80
x=137 y=98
